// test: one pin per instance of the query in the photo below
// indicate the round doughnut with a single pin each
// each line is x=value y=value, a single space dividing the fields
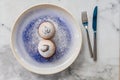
x=46 y=30
x=46 y=48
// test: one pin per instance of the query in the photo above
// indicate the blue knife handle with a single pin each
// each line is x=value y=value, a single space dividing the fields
x=95 y=13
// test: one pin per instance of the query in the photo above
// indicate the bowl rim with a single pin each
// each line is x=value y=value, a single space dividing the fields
x=53 y=71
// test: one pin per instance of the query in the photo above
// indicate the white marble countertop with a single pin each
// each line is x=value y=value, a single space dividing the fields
x=107 y=66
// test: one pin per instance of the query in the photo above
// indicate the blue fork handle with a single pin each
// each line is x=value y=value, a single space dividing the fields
x=89 y=44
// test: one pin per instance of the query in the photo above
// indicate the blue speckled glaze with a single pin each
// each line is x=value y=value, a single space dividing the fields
x=31 y=39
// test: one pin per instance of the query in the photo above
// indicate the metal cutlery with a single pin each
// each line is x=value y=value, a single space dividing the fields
x=94 y=26
x=85 y=24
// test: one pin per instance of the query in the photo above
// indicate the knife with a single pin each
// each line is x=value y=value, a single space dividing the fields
x=94 y=26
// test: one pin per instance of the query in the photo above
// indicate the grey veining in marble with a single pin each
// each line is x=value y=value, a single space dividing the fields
x=107 y=66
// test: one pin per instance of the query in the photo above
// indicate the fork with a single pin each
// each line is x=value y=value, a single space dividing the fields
x=85 y=24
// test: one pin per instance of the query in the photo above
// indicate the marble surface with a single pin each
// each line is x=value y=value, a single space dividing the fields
x=107 y=66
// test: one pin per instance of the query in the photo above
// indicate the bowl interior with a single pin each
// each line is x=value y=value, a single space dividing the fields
x=25 y=39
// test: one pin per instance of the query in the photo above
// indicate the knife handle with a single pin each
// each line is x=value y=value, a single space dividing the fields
x=95 y=46
x=89 y=44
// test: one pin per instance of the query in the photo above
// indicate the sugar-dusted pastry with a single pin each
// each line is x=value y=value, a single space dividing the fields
x=46 y=30
x=46 y=48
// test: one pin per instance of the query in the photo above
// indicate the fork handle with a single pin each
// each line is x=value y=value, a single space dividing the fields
x=89 y=43
x=95 y=46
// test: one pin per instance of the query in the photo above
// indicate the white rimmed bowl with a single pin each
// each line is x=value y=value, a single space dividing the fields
x=25 y=39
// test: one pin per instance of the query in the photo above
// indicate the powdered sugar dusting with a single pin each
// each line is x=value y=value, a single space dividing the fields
x=62 y=38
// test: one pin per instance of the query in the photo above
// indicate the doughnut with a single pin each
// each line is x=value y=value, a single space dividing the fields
x=46 y=30
x=46 y=48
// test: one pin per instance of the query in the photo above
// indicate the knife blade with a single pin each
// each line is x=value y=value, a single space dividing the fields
x=94 y=26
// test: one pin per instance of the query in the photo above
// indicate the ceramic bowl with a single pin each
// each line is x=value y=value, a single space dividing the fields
x=25 y=39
